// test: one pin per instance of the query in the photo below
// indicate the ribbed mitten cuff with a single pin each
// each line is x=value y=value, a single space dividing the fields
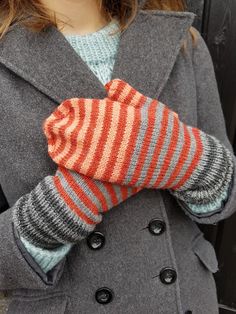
x=213 y=175
x=65 y=208
x=43 y=218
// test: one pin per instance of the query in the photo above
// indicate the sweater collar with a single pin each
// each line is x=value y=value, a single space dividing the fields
x=145 y=57
x=97 y=47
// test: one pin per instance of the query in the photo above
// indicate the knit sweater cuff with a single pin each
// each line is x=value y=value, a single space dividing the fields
x=46 y=259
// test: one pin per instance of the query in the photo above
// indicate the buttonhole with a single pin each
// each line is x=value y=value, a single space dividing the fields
x=144 y=228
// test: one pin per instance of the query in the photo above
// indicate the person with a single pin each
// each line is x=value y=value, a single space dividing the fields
x=71 y=242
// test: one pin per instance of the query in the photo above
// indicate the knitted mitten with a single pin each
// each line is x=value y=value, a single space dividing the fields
x=130 y=139
x=65 y=208
x=200 y=170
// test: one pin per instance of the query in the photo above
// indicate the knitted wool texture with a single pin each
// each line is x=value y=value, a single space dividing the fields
x=132 y=140
x=65 y=208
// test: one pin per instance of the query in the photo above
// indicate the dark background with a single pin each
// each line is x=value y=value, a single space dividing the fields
x=217 y=23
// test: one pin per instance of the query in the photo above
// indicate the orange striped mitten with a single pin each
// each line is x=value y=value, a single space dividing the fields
x=133 y=140
x=86 y=197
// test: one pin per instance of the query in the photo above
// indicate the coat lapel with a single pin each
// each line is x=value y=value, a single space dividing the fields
x=146 y=55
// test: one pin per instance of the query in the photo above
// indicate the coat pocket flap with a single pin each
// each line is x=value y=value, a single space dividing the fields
x=26 y=305
x=206 y=253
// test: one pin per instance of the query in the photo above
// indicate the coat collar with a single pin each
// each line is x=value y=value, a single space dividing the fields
x=146 y=54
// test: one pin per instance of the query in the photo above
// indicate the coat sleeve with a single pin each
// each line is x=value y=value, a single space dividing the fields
x=18 y=269
x=210 y=120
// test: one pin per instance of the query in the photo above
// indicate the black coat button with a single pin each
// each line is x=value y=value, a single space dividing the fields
x=168 y=275
x=156 y=226
x=104 y=295
x=95 y=240
x=188 y=312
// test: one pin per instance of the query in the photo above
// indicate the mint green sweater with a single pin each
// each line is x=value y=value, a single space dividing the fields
x=98 y=50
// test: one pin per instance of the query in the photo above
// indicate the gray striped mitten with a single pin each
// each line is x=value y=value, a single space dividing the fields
x=65 y=208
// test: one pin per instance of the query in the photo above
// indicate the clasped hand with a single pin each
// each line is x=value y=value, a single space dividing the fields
x=126 y=138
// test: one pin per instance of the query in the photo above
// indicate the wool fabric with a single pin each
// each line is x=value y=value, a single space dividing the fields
x=47 y=255
x=98 y=49
x=130 y=139
x=65 y=208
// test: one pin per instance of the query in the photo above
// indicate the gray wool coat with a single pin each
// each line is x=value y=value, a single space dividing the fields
x=39 y=71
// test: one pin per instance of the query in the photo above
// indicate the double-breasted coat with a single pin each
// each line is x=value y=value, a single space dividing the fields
x=154 y=257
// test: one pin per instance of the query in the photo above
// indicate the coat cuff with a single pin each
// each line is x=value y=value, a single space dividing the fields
x=18 y=269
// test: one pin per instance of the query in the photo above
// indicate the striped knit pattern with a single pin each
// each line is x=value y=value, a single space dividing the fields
x=52 y=215
x=133 y=140
x=65 y=208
